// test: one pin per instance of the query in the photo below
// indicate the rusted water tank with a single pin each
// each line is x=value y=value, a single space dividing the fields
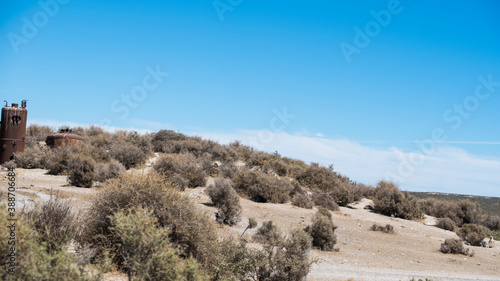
x=64 y=137
x=13 y=130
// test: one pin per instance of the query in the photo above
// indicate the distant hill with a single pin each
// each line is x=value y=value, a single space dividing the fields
x=490 y=205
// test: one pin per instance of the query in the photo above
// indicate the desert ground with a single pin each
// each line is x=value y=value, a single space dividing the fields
x=411 y=252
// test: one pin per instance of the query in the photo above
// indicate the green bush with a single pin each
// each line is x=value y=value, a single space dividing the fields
x=34 y=261
x=446 y=224
x=473 y=233
x=453 y=246
x=190 y=230
x=184 y=170
x=144 y=248
x=81 y=170
x=322 y=232
x=225 y=198
x=261 y=187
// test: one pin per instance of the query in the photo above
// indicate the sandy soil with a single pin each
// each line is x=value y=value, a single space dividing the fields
x=413 y=251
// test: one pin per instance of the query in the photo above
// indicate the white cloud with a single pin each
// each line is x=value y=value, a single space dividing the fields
x=449 y=169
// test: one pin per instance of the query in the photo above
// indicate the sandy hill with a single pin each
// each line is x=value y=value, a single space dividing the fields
x=411 y=252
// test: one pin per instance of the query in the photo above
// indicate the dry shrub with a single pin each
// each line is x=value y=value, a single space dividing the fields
x=128 y=154
x=185 y=170
x=81 y=170
x=225 y=198
x=302 y=201
x=386 y=229
x=446 y=224
x=163 y=138
x=443 y=209
x=325 y=200
x=492 y=222
x=252 y=223
x=325 y=212
x=227 y=170
x=282 y=166
x=167 y=141
x=323 y=178
x=106 y=171
x=344 y=195
x=453 y=246
x=36 y=134
x=390 y=201
x=33 y=157
x=261 y=187
x=267 y=232
x=470 y=212
x=322 y=231
x=190 y=231
x=59 y=159
x=473 y=233
x=282 y=259
x=55 y=222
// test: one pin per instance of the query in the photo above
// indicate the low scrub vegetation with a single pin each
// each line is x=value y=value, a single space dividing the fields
x=268 y=231
x=227 y=201
x=81 y=170
x=325 y=200
x=386 y=229
x=261 y=187
x=454 y=246
x=54 y=221
x=143 y=248
x=446 y=224
x=184 y=170
x=391 y=201
x=106 y=171
x=44 y=261
x=322 y=231
x=302 y=200
x=473 y=233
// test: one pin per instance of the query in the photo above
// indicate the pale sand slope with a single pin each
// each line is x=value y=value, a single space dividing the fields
x=364 y=255
x=413 y=251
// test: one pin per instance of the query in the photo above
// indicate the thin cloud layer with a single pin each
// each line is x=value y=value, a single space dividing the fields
x=448 y=170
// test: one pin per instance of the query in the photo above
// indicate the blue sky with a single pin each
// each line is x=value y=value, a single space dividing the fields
x=354 y=84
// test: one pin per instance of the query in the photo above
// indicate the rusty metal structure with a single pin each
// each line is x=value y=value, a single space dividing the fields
x=63 y=138
x=12 y=130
